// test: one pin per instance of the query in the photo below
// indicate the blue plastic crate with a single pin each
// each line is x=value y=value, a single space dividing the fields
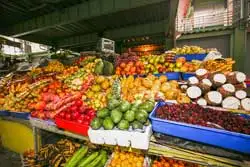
x=217 y=137
x=20 y=115
x=190 y=57
x=4 y=113
x=171 y=75
x=185 y=76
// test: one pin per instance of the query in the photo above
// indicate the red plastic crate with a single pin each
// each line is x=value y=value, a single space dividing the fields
x=72 y=126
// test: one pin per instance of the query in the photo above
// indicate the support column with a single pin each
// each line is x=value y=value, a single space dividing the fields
x=240 y=47
x=170 y=41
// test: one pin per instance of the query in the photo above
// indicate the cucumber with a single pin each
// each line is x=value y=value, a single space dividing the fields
x=86 y=161
x=78 y=155
x=98 y=159
x=104 y=160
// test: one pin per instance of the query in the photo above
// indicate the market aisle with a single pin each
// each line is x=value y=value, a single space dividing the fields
x=9 y=158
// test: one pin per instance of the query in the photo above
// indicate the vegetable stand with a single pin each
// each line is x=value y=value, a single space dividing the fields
x=87 y=103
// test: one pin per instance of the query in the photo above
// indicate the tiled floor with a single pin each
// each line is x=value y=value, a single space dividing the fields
x=9 y=158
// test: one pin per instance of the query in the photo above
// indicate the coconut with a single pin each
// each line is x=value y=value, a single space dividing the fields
x=213 y=98
x=240 y=86
x=236 y=77
x=231 y=103
x=245 y=104
x=201 y=73
x=204 y=88
x=193 y=80
x=241 y=94
x=183 y=88
x=201 y=101
x=194 y=92
x=226 y=90
x=218 y=80
x=207 y=82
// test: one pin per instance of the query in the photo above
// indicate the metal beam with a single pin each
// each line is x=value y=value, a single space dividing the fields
x=116 y=34
x=83 y=11
x=205 y=34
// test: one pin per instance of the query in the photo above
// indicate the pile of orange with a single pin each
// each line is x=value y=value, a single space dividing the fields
x=127 y=159
x=166 y=162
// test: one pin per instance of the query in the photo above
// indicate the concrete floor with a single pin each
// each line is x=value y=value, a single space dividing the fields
x=9 y=158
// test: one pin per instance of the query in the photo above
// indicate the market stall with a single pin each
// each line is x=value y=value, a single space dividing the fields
x=133 y=110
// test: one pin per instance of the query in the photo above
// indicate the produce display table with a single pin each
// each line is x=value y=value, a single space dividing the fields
x=169 y=149
x=44 y=125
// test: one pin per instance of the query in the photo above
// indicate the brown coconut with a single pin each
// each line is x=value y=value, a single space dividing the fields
x=226 y=90
x=231 y=102
x=245 y=104
x=236 y=77
x=213 y=98
x=201 y=73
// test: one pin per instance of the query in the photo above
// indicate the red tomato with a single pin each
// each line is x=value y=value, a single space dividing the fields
x=78 y=102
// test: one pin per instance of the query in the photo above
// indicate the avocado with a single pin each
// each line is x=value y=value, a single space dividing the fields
x=141 y=116
x=123 y=125
x=137 y=125
x=116 y=115
x=104 y=112
x=108 y=124
x=113 y=103
x=148 y=106
x=125 y=106
x=130 y=115
x=96 y=123
x=99 y=67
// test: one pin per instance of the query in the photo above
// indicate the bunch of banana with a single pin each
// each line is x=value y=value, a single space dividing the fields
x=220 y=65
x=52 y=154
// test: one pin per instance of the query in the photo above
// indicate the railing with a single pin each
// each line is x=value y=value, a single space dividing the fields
x=223 y=19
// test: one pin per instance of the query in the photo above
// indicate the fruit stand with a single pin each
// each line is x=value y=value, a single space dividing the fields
x=131 y=112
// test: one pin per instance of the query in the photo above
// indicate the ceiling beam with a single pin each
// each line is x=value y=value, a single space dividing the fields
x=115 y=34
x=83 y=11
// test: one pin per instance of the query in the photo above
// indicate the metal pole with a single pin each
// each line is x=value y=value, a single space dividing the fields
x=241 y=9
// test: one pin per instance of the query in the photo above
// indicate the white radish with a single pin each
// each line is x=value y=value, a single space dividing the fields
x=245 y=104
x=213 y=98
x=241 y=94
x=194 y=92
x=231 y=103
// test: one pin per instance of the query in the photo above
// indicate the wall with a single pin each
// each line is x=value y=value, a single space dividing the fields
x=222 y=43
x=247 y=62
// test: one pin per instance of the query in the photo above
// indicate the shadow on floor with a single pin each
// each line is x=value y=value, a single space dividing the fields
x=9 y=158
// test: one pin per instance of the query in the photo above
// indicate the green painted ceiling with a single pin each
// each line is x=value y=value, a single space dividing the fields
x=79 y=23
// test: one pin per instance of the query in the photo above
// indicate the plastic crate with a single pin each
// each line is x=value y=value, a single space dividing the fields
x=72 y=126
x=4 y=113
x=134 y=138
x=20 y=115
x=190 y=57
x=185 y=76
x=217 y=137
x=171 y=75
